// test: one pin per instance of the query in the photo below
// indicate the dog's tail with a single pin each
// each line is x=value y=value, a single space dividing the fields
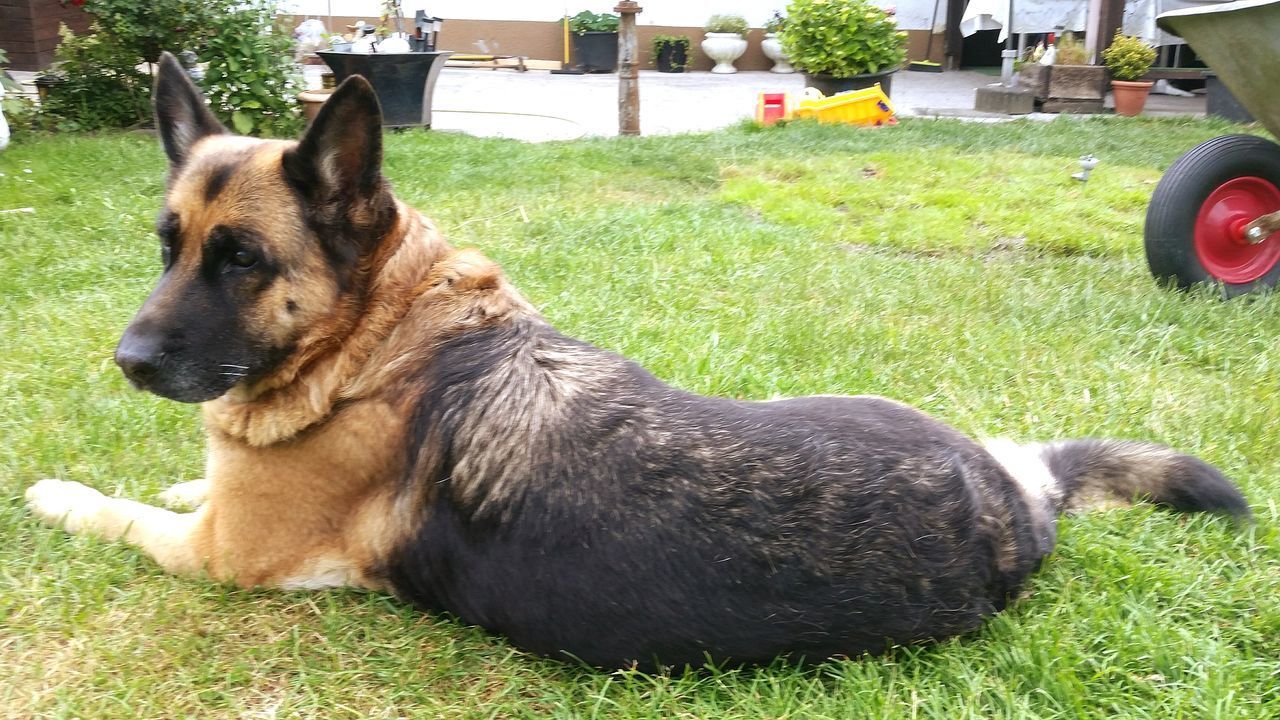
x=1073 y=475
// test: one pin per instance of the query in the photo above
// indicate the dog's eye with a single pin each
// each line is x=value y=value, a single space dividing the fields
x=166 y=254
x=242 y=258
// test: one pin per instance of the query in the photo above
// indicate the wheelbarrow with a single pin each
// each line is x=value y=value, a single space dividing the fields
x=1215 y=215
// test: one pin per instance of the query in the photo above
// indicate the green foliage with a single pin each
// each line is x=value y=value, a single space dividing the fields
x=842 y=38
x=776 y=22
x=150 y=27
x=662 y=42
x=250 y=78
x=727 y=23
x=1071 y=51
x=1128 y=57
x=99 y=84
x=22 y=114
x=587 y=21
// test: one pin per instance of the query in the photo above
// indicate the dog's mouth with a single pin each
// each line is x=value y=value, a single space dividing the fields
x=185 y=388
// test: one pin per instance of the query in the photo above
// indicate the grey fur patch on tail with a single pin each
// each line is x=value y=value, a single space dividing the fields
x=1093 y=472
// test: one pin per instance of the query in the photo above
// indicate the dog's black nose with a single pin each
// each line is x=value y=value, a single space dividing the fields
x=139 y=356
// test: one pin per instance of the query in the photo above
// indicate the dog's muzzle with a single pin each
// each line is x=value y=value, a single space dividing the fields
x=140 y=356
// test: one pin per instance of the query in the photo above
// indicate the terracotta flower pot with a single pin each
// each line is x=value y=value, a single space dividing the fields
x=1130 y=96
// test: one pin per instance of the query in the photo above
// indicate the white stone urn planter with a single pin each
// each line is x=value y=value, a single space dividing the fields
x=724 y=48
x=772 y=48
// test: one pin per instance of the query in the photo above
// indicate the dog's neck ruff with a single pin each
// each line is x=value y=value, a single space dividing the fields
x=327 y=369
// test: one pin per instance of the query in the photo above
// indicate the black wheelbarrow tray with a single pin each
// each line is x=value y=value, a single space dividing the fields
x=1215 y=215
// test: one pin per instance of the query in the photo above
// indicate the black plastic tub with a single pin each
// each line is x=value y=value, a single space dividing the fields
x=404 y=82
x=596 y=52
x=832 y=85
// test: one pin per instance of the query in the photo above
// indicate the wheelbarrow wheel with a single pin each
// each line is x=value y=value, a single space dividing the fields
x=1195 y=222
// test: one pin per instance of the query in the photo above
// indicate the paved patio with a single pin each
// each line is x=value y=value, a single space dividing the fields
x=537 y=105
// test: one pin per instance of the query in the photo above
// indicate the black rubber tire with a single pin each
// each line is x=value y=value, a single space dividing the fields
x=1169 y=234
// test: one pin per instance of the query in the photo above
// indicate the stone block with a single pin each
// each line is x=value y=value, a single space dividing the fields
x=1004 y=100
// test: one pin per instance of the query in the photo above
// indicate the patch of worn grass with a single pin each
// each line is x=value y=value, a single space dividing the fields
x=953 y=266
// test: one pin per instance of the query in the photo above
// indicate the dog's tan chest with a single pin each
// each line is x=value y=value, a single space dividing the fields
x=314 y=511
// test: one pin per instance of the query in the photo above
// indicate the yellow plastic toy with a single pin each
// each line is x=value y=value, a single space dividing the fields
x=869 y=107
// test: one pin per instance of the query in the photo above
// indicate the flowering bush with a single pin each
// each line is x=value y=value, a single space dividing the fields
x=98 y=85
x=250 y=80
x=249 y=77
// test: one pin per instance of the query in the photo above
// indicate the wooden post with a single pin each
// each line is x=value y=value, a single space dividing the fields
x=628 y=75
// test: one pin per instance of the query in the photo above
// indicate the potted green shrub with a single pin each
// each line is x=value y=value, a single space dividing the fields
x=1129 y=58
x=671 y=53
x=843 y=45
x=726 y=41
x=772 y=46
x=595 y=41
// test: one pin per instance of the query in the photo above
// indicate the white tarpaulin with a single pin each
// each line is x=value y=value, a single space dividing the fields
x=1140 y=18
x=918 y=14
x=1044 y=16
x=1029 y=16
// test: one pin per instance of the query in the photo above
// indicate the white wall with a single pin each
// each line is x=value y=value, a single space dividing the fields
x=680 y=13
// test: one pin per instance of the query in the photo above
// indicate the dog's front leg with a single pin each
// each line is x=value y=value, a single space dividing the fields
x=187 y=495
x=166 y=536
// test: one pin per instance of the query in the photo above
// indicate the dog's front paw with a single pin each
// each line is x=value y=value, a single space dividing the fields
x=186 y=495
x=64 y=502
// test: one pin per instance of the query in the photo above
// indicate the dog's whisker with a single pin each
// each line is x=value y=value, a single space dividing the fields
x=233 y=365
x=234 y=374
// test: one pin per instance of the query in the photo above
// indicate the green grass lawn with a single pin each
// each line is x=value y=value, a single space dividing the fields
x=956 y=267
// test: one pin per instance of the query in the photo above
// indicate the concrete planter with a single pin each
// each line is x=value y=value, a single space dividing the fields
x=1035 y=77
x=724 y=48
x=772 y=48
x=403 y=82
x=1066 y=88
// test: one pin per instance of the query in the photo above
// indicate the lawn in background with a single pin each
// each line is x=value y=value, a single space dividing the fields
x=956 y=267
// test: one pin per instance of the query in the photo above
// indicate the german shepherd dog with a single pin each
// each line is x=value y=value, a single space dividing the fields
x=387 y=412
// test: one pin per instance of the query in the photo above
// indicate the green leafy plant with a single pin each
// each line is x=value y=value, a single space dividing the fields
x=251 y=80
x=776 y=22
x=22 y=114
x=151 y=27
x=1128 y=58
x=587 y=21
x=728 y=23
x=676 y=45
x=99 y=85
x=1071 y=51
x=842 y=38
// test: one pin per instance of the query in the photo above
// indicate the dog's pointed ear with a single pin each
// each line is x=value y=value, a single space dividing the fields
x=340 y=156
x=181 y=113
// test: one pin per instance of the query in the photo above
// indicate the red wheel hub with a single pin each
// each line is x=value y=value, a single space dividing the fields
x=1219 y=232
